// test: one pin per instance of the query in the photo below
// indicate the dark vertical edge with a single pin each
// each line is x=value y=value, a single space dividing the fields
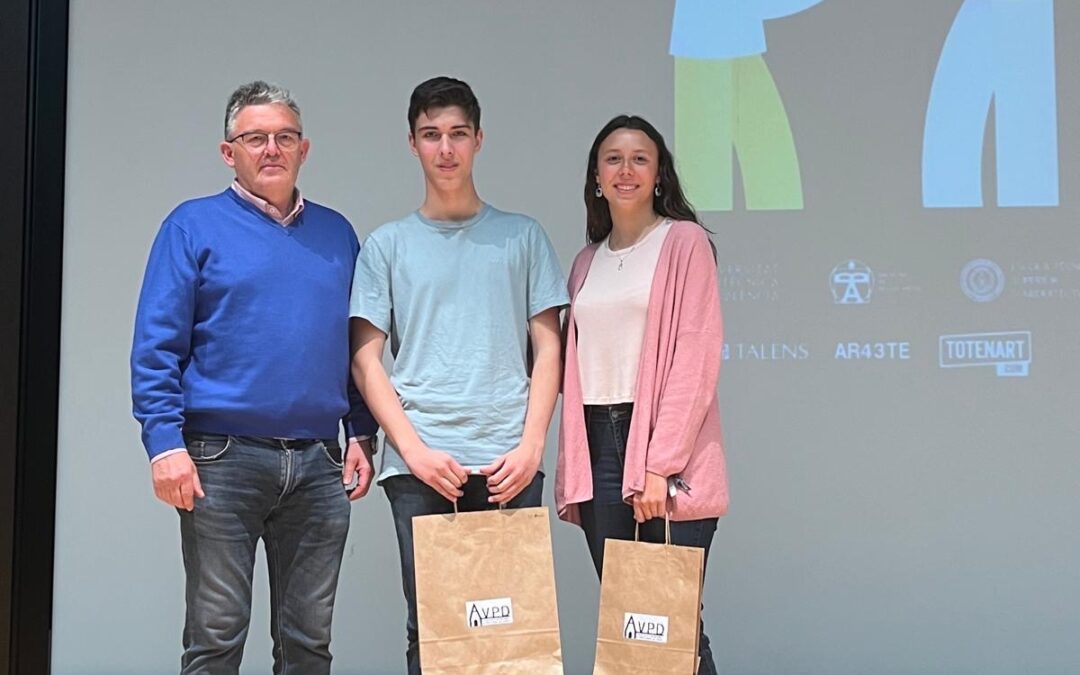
x=39 y=338
x=14 y=71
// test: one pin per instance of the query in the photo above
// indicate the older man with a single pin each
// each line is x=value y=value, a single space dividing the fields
x=239 y=376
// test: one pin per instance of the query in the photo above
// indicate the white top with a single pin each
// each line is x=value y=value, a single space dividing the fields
x=610 y=314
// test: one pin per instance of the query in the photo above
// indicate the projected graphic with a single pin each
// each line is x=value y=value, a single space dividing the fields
x=851 y=283
x=1046 y=280
x=873 y=351
x=753 y=282
x=1009 y=354
x=999 y=53
x=765 y=351
x=727 y=104
x=982 y=280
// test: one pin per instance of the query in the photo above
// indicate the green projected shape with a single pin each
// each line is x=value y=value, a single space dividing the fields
x=728 y=108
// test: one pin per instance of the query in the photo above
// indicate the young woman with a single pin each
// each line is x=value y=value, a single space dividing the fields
x=640 y=431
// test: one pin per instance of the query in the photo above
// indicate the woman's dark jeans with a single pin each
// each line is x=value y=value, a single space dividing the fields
x=607 y=516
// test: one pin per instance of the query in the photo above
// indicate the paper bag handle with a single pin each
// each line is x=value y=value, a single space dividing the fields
x=667 y=528
x=501 y=507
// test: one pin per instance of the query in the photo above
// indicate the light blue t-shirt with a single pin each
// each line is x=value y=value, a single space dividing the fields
x=455 y=299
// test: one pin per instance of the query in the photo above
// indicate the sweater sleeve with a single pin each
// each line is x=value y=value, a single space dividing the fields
x=695 y=369
x=162 y=341
x=359 y=422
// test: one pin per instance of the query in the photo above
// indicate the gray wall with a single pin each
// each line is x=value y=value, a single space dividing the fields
x=887 y=517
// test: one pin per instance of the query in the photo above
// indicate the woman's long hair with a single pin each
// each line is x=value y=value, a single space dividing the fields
x=671 y=203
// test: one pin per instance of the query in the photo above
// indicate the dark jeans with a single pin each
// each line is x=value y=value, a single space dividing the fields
x=409 y=497
x=292 y=499
x=607 y=516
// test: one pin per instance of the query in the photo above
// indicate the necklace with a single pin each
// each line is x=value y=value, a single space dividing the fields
x=623 y=253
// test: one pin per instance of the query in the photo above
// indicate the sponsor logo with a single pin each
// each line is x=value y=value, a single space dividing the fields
x=765 y=351
x=1046 y=280
x=645 y=628
x=481 y=613
x=873 y=351
x=749 y=283
x=982 y=280
x=1008 y=353
x=851 y=283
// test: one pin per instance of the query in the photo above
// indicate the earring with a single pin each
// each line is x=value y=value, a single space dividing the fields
x=599 y=192
x=656 y=190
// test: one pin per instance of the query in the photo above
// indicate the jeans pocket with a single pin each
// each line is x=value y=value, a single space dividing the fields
x=203 y=448
x=332 y=450
x=620 y=434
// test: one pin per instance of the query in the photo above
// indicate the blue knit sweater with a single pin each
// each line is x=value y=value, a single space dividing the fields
x=242 y=326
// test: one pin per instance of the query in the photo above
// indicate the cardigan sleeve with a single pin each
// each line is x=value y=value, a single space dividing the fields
x=695 y=367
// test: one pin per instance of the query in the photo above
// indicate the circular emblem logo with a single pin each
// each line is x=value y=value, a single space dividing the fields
x=851 y=283
x=982 y=280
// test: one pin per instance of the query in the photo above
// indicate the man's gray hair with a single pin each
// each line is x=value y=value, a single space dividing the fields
x=256 y=93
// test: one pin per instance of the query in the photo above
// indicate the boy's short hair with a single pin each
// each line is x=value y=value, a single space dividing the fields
x=441 y=92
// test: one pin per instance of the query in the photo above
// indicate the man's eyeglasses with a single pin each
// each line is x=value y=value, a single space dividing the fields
x=257 y=140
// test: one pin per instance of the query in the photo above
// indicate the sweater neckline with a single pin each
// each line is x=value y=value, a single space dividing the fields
x=284 y=229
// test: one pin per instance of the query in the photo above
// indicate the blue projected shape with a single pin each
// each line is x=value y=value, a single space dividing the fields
x=726 y=29
x=1000 y=53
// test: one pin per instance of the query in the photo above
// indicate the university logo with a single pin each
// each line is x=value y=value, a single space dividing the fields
x=481 y=613
x=851 y=283
x=1008 y=353
x=727 y=105
x=645 y=628
x=1046 y=280
x=982 y=280
x=748 y=282
x=998 y=53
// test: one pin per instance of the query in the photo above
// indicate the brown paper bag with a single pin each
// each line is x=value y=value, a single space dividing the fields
x=650 y=609
x=485 y=593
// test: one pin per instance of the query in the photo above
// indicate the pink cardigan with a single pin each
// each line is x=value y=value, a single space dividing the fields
x=675 y=427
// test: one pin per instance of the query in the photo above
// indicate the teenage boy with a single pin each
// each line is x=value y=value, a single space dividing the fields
x=463 y=290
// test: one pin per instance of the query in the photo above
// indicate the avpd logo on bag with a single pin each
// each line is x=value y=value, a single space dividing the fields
x=645 y=627
x=481 y=613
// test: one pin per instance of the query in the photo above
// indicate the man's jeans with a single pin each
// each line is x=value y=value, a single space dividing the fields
x=291 y=498
x=607 y=516
x=409 y=496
